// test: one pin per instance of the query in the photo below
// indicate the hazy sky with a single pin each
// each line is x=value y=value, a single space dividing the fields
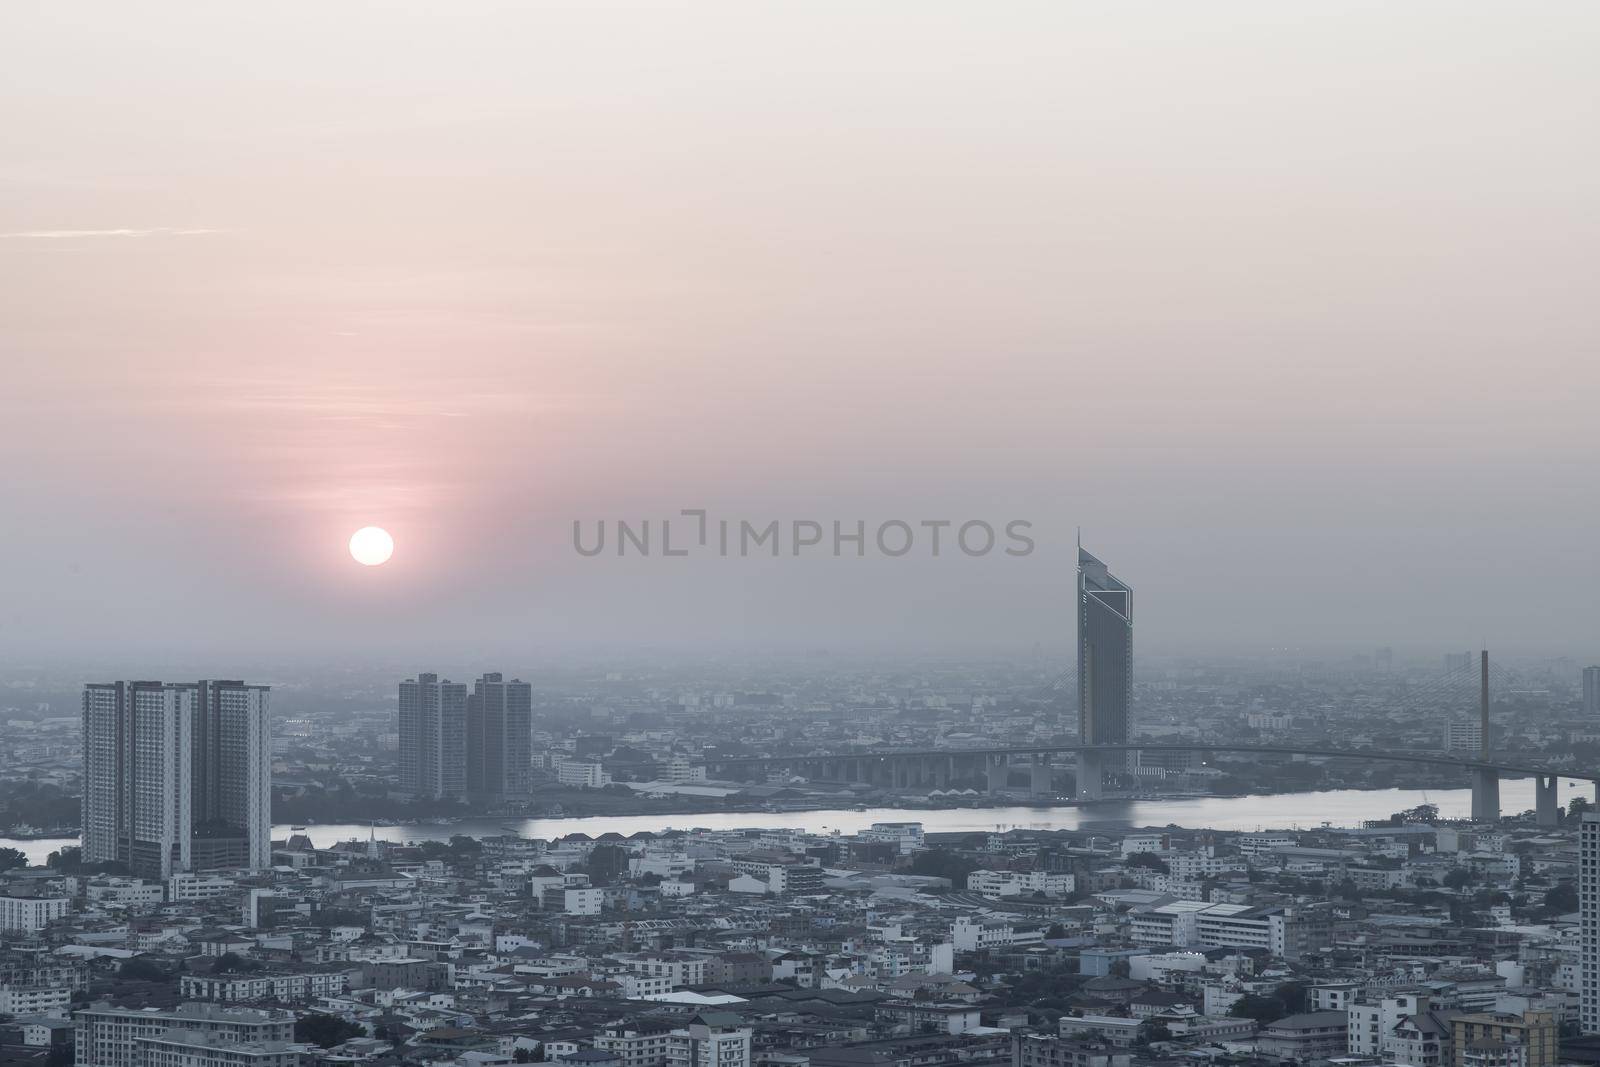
x=1290 y=306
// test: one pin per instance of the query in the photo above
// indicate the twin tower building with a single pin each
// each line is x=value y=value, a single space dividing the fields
x=177 y=776
x=455 y=744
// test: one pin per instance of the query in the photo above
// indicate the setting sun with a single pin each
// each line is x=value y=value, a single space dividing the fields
x=371 y=545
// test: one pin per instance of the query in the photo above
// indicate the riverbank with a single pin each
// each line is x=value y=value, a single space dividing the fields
x=1277 y=811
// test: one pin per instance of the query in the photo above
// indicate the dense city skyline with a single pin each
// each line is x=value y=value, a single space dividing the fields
x=654 y=496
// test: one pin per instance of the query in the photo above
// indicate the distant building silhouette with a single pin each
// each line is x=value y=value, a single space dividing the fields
x=177 y=776
x=1105 y=655
x=499 y=738
x=1591 y=691
x=433 y=738
x=1463 y=735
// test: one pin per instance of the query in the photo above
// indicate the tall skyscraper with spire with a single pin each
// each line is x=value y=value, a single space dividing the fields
x=1105 y=655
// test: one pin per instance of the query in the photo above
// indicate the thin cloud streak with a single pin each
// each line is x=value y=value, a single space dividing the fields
x=158 y=231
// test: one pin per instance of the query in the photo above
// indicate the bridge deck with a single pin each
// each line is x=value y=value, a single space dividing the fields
x=1434 y=758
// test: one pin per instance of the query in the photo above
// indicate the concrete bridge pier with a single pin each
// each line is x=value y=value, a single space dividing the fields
x=1485 y=794
x=1039 y=777
x=1091 y=775
x=999 y=775
x=1546 y=800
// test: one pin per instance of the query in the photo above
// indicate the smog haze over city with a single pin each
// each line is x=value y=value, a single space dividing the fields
x=1288 y=306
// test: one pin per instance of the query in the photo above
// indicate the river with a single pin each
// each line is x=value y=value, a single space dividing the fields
x=1339 y=807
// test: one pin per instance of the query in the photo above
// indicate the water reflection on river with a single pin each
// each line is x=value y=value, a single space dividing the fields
x=1339 y=807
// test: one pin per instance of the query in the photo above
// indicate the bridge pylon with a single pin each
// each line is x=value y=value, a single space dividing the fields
x=999 y=775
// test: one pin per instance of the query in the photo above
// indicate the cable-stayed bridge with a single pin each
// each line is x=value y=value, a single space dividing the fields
x=938 y=768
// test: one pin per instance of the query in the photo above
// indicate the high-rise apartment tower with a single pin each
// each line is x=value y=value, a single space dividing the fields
x=433 y=738
x=176 y=776
x=499 y=738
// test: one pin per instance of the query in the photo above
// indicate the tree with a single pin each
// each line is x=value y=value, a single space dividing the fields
x=1046 y=987
x=607 y=863
x=1153 y=1030
x=142 y=969
x=1292 y=995
x=1261 y=1009
x=1420 y=813
x=942 y=863
x=1577 y=806
x=1459 y=878
x=1562 y=898
x=1118 y=969
x=1150 y=860
x=12 y=857
x=324 y=1031
x=233 y=963
x=68 y=859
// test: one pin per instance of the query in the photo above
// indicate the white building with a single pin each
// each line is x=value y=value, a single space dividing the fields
x=42 y=1001
x=680 y=769
x=582 y=774
x=678 y=968
x=969 y=935
x=31 y=913
x=124 y=892
x=906 y=836
x=1018 y=883
x=1176 y=924
x=1370 y=1025
x=109 y=1036
x=582 y=900
x=188 y=1048
x=711 y=1039
x=183 y=886
x=1133 y=844
x=1463 y=735
x=636 y=1044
